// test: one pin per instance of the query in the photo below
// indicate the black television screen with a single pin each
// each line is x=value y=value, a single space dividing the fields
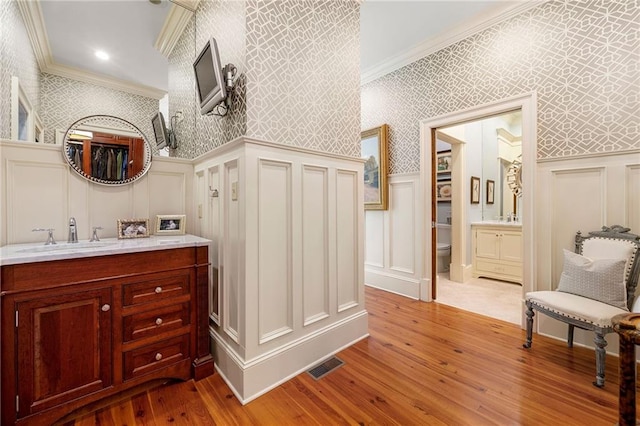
x=210 y=85
x=160 y=130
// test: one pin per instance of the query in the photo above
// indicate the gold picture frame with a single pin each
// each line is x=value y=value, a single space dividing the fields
x=133 y=228
x=374 y=150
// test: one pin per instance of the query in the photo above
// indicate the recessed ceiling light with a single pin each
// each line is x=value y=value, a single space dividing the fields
x=102 y=55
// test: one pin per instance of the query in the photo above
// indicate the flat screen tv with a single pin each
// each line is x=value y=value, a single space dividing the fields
x=210 y=85
x=160 y=130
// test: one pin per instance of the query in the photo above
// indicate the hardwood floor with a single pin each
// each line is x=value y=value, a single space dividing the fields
x=424 y=364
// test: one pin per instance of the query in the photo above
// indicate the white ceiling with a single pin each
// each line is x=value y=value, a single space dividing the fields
x=125 y=29
x=128 y=29
x=390 y=27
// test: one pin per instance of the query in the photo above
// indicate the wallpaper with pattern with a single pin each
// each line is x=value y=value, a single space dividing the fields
x=225 y=21
x=63 y=101
x=582 y=58
x=303 y=76
x=17 y=59
x=182 y=91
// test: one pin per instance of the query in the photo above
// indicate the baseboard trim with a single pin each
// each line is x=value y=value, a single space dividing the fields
x=250 y=379
x=408 y=287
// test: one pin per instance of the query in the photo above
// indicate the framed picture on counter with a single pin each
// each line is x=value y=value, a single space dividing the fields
x=133 y=228
x=171 y=224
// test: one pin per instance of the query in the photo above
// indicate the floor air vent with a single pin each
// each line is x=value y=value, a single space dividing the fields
x=326 y=367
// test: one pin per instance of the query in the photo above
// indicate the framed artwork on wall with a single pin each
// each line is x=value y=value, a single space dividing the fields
x=475 y=190
x=373 y=148
x=491 y=186
x=443 y=190
x=444 y=163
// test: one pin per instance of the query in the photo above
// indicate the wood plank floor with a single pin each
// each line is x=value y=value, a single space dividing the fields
x=424 y=364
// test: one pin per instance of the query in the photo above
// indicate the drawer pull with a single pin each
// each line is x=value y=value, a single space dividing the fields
x=158 y=321
x=158 y=290
x=105 y=307
x=158 y=356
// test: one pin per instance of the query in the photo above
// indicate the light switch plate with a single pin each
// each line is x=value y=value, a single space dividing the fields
x=234 y=191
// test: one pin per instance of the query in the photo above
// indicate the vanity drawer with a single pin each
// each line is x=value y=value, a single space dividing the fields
x=155 y=290
x=154 y=322
x=155 y=356
x=499 y=268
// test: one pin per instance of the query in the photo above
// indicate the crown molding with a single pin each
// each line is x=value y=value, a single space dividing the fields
x=104 y=81
x=177 y=20
x=447 y=38
x=34 y=23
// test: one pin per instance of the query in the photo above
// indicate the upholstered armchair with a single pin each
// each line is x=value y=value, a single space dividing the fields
x=598 y=282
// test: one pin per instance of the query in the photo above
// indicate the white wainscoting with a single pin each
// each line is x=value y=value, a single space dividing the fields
x=393 y=240
x=39 y=190
x=580 y=194
x=289 y=228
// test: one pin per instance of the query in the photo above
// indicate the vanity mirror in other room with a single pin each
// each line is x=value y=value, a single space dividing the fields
x=107 y=150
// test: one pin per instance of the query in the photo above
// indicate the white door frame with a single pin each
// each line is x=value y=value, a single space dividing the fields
x=528 y=105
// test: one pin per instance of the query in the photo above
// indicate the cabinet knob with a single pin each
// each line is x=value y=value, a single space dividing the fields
x=158 y=321
x=158 y=356
x=158 y=289
x=105 y=307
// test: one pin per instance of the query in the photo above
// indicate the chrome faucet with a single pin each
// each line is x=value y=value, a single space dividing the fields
x=73 y=232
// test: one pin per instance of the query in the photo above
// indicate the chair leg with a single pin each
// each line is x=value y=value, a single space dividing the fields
x=570 y=336
x=601 y=343
x=530 y=314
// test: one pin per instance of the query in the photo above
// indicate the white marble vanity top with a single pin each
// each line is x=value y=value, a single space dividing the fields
x=497 y=223
x=14 y=254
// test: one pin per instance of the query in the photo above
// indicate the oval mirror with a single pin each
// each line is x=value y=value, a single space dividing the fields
x=107 y=150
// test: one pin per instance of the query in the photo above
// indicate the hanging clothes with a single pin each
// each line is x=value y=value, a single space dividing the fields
x=119 y=165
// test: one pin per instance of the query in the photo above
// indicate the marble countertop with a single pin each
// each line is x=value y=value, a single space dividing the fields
x=15 y=254
x=497 y=223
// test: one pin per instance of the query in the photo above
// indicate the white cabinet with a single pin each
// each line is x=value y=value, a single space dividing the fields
x=497 y=251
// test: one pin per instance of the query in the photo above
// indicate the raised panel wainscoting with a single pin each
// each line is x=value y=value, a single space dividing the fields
x=287 y=226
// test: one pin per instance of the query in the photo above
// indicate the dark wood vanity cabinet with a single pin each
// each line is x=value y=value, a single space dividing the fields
x=79 y=330
x=64 y=347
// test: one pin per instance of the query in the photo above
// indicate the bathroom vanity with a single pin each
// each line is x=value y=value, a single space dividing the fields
x=496 y=250
x=81 y=323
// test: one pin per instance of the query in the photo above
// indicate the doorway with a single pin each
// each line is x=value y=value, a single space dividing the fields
x=460 y=219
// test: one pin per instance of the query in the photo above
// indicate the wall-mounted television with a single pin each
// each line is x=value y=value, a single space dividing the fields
x=160 y=130
x=210 y=84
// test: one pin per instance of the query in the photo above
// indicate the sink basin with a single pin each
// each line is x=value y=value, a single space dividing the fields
x=66 y=246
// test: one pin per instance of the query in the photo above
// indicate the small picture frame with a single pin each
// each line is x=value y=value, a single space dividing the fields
x=491 y=186
x=171 y=224
x=444 y=162
x=133 y=228
x=475 y=190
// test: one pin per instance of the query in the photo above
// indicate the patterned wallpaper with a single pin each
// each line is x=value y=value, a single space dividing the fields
x=303 y=73
x=182 y=91
x=17 y=59
x=225 y=21
x=582 y=58
x=288 y=89
x=65 y=100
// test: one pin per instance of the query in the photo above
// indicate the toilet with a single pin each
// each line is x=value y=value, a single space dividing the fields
x=444 y=247
x=444 y=257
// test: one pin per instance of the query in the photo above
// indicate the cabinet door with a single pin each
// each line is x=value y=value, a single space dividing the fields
x=511 y=246
x=64 y=348
x=487 y=244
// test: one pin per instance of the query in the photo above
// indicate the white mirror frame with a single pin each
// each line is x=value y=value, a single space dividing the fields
x=35 y=129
